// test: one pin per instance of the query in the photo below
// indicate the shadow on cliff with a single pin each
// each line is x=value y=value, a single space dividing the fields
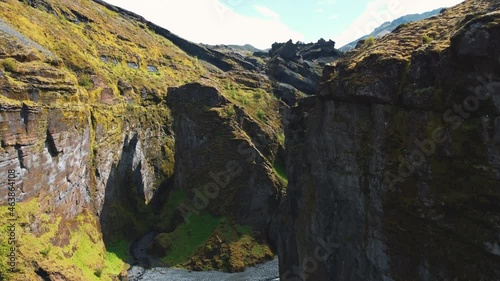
x=125 y=215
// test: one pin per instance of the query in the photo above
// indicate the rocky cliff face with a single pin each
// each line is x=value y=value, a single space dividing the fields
x=394 y=168
x=73 y=161
x=222 y=141
x=100 y=153
x=224 y=163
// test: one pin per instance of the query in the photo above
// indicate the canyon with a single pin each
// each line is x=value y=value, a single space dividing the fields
x=382 y=163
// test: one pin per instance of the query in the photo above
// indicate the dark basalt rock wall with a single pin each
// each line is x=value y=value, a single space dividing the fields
x=223 y=160
x=394 y=170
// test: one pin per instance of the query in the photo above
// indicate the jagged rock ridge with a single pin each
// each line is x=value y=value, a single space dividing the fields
x=293 y=69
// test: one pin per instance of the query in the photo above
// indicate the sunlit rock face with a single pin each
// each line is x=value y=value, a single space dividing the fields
x=88 y=130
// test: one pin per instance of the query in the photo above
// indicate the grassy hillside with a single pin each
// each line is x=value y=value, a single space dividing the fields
x=101 y=50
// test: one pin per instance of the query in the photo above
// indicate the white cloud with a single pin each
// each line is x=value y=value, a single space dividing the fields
x=379 y=11
x=319 y=11
x=328 y=2
x=266 y=12
x=212 y=22
x=333 y=17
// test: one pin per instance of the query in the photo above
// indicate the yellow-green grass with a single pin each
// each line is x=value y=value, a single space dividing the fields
x=280 y=171
x=207 y=242
x=81 y=258
x=188 y=237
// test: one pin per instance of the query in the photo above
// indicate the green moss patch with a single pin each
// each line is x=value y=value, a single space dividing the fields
x=9 y=65
x=280 y=171
x=84 y=256
x=189 y=237
x=206 y=243
x=117 y=253
x=175 y=199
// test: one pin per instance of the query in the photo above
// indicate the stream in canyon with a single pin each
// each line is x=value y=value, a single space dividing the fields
x=147 y=268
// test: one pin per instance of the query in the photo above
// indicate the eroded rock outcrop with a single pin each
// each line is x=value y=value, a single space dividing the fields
x=233 y=152
x=394 y=169
x=296 y=67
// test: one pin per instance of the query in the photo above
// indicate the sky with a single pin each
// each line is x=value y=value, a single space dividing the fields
x=263 y=22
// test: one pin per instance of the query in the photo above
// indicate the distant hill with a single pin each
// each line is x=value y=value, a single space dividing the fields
x=242 y=49
x=246 y=47
x=388 y=27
